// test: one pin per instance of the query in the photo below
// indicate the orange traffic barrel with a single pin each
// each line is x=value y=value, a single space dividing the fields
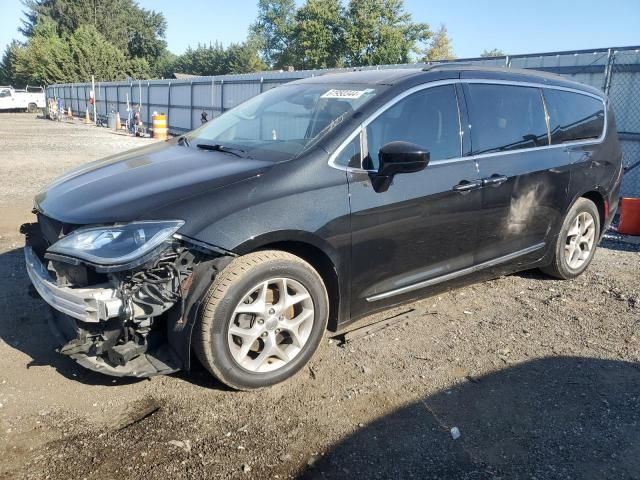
x=159 y=125
x=629 y=216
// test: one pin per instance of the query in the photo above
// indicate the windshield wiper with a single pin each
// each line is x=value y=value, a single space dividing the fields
x=216 y=147
x=183 y=140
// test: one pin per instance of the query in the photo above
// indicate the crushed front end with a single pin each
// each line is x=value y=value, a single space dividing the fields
x=131 y=318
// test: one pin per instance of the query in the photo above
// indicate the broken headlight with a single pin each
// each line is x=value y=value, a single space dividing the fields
x=115 y=245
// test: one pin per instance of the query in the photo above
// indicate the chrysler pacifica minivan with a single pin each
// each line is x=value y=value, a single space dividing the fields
x=317 y=203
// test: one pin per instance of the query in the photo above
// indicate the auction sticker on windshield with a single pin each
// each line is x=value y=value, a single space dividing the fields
x=336 y=93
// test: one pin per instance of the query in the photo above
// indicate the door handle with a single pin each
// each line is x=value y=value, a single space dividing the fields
x=494 y=180
x=466 y=185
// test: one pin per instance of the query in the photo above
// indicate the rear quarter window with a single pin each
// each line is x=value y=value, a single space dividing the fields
x=573 y=116
x=505 y=117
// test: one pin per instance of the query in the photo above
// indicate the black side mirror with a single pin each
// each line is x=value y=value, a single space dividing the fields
x=399 y=157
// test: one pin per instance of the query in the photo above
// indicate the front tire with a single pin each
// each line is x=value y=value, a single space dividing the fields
x=262 y=319
x=576 y=242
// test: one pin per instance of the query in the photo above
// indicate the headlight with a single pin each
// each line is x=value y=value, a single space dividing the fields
x=118 y=244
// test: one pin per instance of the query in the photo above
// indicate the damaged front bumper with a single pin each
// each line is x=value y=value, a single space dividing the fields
x=91 y=305
x=83 y=315
x=127 y=323
x=159 y=361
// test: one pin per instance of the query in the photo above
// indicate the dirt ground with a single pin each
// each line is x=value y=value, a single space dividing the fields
x=518 y=377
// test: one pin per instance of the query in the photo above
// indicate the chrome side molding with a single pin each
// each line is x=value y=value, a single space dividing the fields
x=456 y=274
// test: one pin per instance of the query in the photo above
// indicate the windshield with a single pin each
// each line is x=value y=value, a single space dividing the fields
x=281 y=123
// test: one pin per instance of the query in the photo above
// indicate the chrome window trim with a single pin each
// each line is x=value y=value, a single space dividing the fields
x=591 y=141
x=332 y=158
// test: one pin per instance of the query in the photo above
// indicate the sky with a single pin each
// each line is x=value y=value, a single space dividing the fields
x=514 y=26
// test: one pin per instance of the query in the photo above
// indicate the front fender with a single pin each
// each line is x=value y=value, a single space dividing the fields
x=305 y=206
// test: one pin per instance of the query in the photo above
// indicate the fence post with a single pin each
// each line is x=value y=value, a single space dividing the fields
x=191 y=105
x=148 y=105
x=213 y=104
x=221 y=96
x=608 y=70
x=168 y=106
x=261 y=84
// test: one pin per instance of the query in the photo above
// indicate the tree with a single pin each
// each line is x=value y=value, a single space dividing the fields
x=137 y=68
x=137 y=32
x=203 y=60
x=165 y=65
x=216 y=60
x=273 y=30
x=440 y=47
x=318 y=35
x=7 y=64
x=91 y=54
x=244 y=58
x=381 y=32
x=145 y=36
x=496 y=52
x=45 y=58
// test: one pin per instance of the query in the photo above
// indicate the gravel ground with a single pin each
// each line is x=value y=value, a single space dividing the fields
x=518 y=377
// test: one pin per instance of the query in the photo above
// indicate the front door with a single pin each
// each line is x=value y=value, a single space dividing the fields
x=6 y=100
x=424 y=226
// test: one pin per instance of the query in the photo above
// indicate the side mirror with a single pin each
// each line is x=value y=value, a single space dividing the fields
x=399 y=157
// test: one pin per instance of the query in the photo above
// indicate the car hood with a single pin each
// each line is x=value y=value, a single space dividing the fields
x=126 y=186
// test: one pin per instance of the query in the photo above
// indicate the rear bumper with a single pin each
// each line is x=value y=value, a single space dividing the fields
x=89 y=305
x=613 y=210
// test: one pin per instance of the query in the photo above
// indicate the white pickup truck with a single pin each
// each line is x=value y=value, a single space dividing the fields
x=30 y=99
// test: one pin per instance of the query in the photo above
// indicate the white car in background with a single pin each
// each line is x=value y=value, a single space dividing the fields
x=29 y=99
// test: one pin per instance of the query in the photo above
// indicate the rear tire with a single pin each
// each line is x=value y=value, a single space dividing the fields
x=576 y=242
x=262 y=319
x=32 y=108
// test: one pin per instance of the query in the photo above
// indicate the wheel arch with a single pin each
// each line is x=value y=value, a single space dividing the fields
x=599 y=199
x=550 y=263
x=314 y=251
x=599 y=196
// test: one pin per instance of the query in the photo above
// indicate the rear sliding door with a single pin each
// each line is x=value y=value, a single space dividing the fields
x=525 y=181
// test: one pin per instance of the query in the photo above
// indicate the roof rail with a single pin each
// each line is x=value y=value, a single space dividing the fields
x=447 y=65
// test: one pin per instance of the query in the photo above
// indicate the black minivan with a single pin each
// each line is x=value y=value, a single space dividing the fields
x=317 y=203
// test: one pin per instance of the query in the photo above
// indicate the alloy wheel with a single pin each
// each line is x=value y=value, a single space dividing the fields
x=271 y=325
x=580 y=240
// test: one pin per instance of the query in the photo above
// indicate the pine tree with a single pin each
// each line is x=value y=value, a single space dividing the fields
x=440 y=47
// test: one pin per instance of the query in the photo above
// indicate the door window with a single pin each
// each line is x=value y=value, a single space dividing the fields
x=573 y=116
x=428 y=118
x=505 y=117
x=5 y=93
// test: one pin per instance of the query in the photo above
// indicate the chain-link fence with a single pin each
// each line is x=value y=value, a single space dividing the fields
x=614 y=70
x=623 y=87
